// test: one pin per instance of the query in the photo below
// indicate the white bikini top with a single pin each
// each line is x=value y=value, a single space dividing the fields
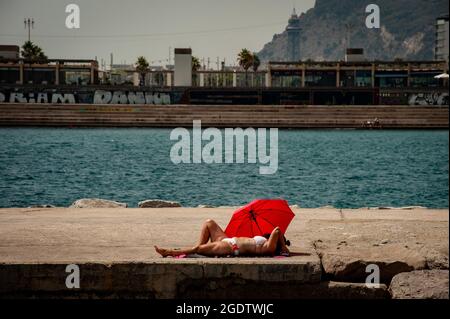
x=259 y=240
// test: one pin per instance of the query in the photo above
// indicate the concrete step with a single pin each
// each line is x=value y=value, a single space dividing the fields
x=222 y=116
x=274 y=112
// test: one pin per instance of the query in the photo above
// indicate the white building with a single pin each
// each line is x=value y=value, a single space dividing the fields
x=354 y=55
x=442 y=34
x=183 y=67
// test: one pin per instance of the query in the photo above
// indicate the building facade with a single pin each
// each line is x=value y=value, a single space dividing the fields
x=282 y=83
x=52 y=72
x=442 y=39
x=183 y=67
x=357 y=74
x=9 y=51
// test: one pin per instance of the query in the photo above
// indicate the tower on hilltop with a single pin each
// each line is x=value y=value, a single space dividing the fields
x=293 y=31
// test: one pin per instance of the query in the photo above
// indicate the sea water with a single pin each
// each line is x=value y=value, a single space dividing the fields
x=340 y=168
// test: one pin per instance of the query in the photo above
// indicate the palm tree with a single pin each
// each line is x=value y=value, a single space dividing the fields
x=195 y=67
x=142 y=68
x=195 y=64
x=255 y=65
x=245 y=60
x=256 y=62
x=32 y=52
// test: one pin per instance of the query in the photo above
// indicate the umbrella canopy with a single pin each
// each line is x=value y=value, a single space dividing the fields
x=260 y=217
x=442 y=76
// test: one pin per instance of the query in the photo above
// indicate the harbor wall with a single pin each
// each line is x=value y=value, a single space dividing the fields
x=281 y=116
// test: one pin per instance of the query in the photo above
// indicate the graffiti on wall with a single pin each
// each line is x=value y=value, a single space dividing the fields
x=121 y=97
x=97 y=97
x=435 y=98
x=18 y=97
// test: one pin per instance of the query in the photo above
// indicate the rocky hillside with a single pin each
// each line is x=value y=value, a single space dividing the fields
x=407 y=30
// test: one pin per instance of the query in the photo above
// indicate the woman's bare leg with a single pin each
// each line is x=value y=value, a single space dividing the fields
x=211 y=249
x=205 y=234
x=217 y=248
x=211 y=230
x=171 y=252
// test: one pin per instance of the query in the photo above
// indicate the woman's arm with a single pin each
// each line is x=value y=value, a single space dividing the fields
x=282 y=243
x=270 y=245
x=276 y=238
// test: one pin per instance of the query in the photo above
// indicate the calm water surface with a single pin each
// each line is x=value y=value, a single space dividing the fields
x=316 y=168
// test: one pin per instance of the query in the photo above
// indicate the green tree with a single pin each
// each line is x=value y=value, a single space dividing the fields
x=256 y=62
x=195 y=64
x=245 y=60
x=195 y=67
x=142 y=68
x=31 y=51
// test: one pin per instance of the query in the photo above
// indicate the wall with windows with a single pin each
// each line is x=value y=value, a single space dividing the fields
x=9 y=75
x=39 y=76
x=320 y=78
x=287 y=79
x=423 y=79
x=391 y=80
x=355 y=78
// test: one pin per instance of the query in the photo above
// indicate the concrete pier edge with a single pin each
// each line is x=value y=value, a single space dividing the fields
x=113 y=250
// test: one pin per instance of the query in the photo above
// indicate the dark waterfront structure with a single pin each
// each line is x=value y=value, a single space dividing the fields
x=50 y=72
x=293 y=31
x=300 y=74
x=357 y=74
x=282 y=83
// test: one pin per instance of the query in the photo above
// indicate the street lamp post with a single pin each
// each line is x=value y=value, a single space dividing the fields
x=29 y=23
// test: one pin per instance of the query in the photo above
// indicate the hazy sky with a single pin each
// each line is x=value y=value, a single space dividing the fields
x=128 y=28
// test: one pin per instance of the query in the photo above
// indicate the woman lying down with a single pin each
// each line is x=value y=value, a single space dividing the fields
x=221 y=245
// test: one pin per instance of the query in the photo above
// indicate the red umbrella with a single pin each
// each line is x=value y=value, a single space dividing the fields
x=260 y=217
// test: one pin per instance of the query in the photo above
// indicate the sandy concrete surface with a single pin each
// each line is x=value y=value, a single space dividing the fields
x=63 y=235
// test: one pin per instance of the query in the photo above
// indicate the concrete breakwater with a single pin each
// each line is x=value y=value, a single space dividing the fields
x=122 y=115
x=331 y=250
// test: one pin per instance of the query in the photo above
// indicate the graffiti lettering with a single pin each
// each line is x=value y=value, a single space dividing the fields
x=63 y=98
x=97 y=97
x=429 y=99
x=16 y=97
x=121 y=97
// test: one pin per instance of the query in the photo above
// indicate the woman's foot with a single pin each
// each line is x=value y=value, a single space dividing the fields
x=164 y=252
